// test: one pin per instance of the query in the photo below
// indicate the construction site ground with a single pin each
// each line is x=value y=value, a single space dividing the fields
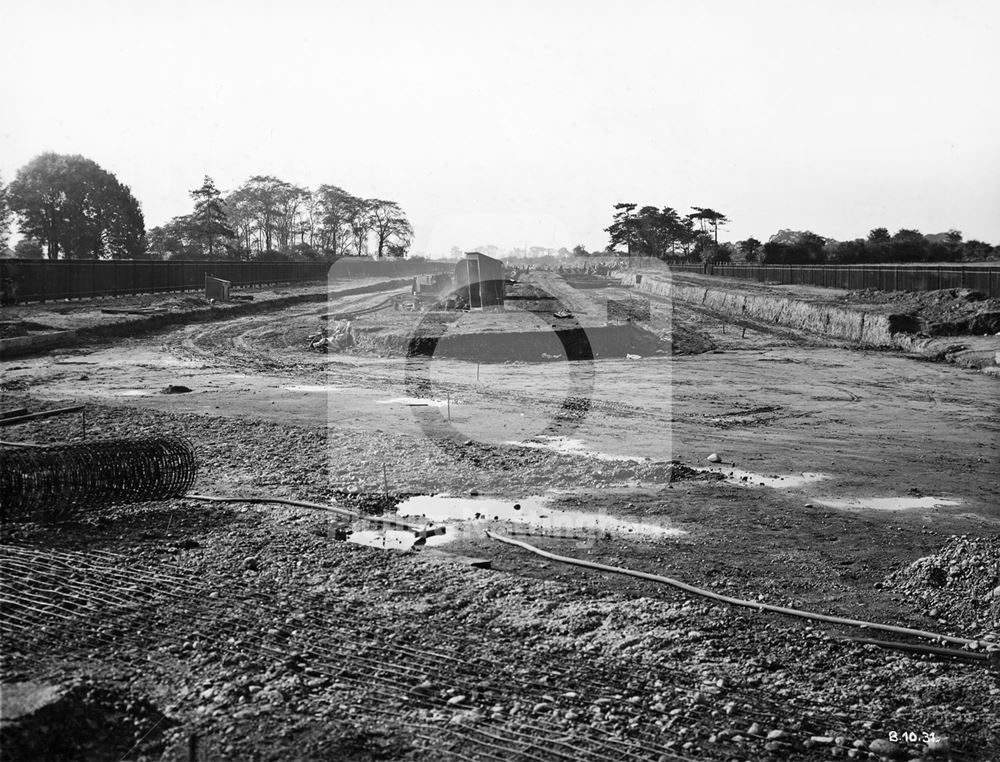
x=849 y=481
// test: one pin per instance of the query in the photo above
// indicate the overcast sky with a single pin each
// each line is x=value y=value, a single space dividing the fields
x=524 y=122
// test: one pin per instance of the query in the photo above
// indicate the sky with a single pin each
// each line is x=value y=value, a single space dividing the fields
x=523 y=123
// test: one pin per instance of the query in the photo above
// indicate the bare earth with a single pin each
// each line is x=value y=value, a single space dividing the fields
x=252 y=632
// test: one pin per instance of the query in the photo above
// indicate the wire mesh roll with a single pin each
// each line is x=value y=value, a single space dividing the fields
x=45 y=483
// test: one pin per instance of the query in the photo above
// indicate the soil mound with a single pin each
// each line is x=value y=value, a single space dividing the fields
x=959 y=584
x=945 y=312
x=80 y=722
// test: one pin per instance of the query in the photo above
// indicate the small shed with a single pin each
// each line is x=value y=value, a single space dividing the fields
x=484 y=278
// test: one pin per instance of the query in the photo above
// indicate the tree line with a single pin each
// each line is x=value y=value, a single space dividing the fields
x=667 y=234
x=69 y=207
x=905 y=245
x=270 y=218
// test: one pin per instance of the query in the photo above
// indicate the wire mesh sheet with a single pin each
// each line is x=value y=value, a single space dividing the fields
x=45 y=483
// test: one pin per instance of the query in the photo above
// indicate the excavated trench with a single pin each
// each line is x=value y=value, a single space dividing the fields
x=932 y=339
x=860 y=327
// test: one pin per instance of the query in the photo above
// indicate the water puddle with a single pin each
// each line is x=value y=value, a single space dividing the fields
x=132 y=393
x=392 y=539
x=416 y=402
x=890 y=503
x=468 y=518
x=308 y=388
x=775 y=481
x=567 y=446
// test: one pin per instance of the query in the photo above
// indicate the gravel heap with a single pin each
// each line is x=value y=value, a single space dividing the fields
x=959 y=585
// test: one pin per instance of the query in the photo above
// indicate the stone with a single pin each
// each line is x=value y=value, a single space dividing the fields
x=24 y=699
x=885 y=748
x=455 y=700
x=939 y=745
x=714 y=458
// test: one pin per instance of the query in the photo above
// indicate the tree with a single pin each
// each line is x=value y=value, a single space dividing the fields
x=29 y=248
x=361 y=221
x=209 y=222
x=5 y=216
x=580 y=250
x=292 y=201
x=334 y=209
x=749 y=248
x=908 y=246
x=390 y=226
x=72 y=205
x=259 y=210
x=976 y=251
x=790 y=247
x=706 y=217
x=177 y=239
x=621 y=228
x=879 y=235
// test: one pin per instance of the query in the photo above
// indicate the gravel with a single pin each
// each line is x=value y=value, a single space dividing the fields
x=255 y=633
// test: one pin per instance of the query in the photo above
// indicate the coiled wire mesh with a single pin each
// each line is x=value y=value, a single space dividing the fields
x=46 y=483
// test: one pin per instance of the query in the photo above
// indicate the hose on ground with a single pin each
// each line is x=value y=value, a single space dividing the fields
x=921 y=649
x=726 y=599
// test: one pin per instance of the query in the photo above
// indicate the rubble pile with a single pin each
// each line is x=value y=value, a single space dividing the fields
x=959 y=585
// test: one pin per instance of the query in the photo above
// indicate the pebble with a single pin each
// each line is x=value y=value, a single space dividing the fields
x=939 y=745
x=455 y=700
x=422 y=689
x=251 y=563
x=714 y=458
x=885 y=748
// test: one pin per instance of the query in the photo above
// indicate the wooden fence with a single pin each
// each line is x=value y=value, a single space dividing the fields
x=38 y=280
x=982 y=278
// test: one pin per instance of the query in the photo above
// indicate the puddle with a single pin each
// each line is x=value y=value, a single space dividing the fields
x=567 y=446
x=532 y=511
x=392 y=539
x=416 y=402
x=307 y=388
x=890 y=503
x=775 y=481
x=468 y=518
x=132 y=393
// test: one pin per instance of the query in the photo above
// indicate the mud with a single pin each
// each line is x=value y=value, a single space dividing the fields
x=419 y=660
